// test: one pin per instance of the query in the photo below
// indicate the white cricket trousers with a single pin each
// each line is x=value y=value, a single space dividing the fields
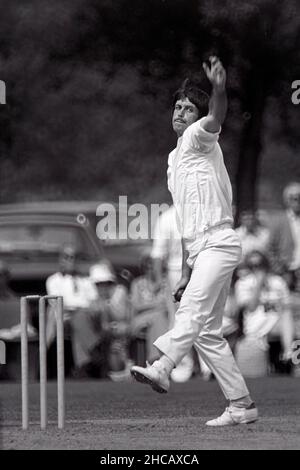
x=198 y=321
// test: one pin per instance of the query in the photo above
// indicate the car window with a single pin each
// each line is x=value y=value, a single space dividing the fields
x=44 y=238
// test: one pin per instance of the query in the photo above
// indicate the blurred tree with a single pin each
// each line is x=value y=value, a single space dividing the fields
x=89 y=88
x=260 y=40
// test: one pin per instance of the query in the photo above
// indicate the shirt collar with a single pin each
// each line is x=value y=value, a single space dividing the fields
x=179 y=142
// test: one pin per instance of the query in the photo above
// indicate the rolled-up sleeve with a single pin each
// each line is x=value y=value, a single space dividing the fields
x=200 y=139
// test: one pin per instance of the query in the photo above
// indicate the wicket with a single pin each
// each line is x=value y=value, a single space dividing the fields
x=43 y=359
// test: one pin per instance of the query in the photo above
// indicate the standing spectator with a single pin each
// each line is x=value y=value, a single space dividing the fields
x=10 y=327
x=252 y=234
x=167 y=252
x=285 y=247
x=265 y=300
x=113 y=304
x=285 y=236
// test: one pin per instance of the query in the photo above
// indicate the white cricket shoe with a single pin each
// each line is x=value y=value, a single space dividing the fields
x=233 y=416
x=154 y=375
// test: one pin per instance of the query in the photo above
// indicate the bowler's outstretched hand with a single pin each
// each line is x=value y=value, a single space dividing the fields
x=215 y=73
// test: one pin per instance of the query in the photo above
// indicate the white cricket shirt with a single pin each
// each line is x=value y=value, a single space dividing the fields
x=199 y=184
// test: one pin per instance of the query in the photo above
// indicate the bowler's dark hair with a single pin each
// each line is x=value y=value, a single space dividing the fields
x=196 y=96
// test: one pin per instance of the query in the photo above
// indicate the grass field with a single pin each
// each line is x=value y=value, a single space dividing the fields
x=106 y=415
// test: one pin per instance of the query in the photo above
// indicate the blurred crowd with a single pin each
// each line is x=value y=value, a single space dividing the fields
x=112 y=320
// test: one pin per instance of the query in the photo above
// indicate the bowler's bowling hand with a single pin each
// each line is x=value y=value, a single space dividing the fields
x=216 y=73
x=179 y=289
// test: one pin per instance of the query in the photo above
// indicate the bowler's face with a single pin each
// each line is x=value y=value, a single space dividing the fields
x=185 y=113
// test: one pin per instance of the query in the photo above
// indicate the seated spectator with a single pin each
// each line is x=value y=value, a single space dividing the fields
x=10 y=328
x=77 y=292
x=265 y=300
x=10 y=331
x=5 y=292
x=149 y=309
x=285 y=248
x=252 y=234
x=100 y=333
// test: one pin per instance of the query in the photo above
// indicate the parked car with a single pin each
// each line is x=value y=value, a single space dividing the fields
x=32 y=234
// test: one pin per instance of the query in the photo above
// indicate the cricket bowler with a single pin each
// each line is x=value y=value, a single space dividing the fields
x=202 y=195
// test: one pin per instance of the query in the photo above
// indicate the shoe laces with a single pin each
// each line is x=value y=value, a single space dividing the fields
x=156 y=365
x=149 y=366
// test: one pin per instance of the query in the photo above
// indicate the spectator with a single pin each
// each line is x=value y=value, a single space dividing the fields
x=167 y=252
x=10 y=330
x=149 y=310
x=264 y=298
x=253 y=235
x=113 y=302
x=5 y=292
x=285 y=236
x=285 y=247
x=77 y=292
x=101 y=332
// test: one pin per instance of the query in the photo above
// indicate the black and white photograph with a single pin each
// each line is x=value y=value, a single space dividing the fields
x=149 y=228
